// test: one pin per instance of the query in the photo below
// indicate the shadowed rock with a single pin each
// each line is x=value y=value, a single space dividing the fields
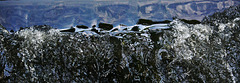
x=155 y=35
x=114 y=30
x=21 y=28
x=145 y=22
x=12 y=31
x=82 y=26
x=162 y=22
x=190 y=21
x=95 y=30
x=150 y=22
x=69 y=30
x=105 y=26
x=135 y=28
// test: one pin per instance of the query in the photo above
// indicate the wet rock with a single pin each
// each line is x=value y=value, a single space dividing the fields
x=69 y=30
x=125 y=29
x=165 y=57
x=145 y=22
x=105 y=26
x=117 y=44
x=150 y=22
x=82 y=26
x=95 y=30
x=162 y=22
x=190 y=21
x=114 y=30
x=122 y=25
x=93 y=26
x=12 y=31
x=155 y=35
x=135 y=28
x=21 y=28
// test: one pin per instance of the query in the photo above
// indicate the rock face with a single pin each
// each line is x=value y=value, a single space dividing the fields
x=105 y=26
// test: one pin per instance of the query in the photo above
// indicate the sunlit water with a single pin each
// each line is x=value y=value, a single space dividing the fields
x=174 y=52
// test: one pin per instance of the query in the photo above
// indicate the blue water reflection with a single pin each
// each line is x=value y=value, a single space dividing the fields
x=64 y=14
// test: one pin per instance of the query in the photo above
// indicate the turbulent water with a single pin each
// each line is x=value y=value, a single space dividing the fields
x=206 y=52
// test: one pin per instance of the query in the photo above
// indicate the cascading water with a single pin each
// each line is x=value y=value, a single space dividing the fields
x=206 y=52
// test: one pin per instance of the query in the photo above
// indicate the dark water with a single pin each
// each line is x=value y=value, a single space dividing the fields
x=171 y=52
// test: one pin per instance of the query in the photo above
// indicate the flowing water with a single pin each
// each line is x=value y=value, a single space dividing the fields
x=64 y=14
x=174 y=52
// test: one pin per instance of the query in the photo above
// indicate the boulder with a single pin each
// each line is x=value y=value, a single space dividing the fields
x=162 y=22
x=150 y=22
x=82 y=26
x=12 y=31
x=154 y=35
x=145 y=22
x=114 y=30
x=105 y=26
x=190 y=21
x=95 y=30
x=135 y=28
x=69 y=30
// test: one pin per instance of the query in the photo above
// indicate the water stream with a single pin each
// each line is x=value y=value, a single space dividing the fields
x=173 y=52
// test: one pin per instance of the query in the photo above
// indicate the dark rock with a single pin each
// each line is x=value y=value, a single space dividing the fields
x=95 y=30
x=122 y=25
x=165 y=57
x=145 y=22
x=105 y=26
x=190 y=21
x=162 y=22
x=69 y=30
x=82 y=26
x=21 y=28
x=114 y=30
x=117 y=44
x=135 y=28
x=125 y=29
x=93 y=26
x=155 y=35
x=12 y=31
x=150 y=22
